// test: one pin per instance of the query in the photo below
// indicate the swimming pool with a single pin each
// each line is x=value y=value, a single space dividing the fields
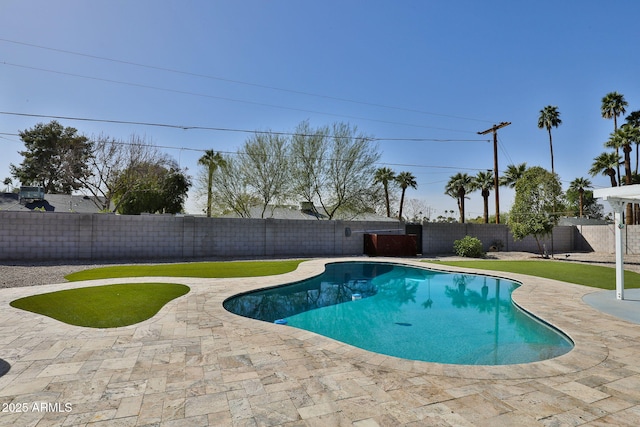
x=410 y=312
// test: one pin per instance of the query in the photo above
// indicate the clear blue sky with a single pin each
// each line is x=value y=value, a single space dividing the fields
x=439 y=70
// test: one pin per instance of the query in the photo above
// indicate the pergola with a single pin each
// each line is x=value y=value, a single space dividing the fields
x=618 y=197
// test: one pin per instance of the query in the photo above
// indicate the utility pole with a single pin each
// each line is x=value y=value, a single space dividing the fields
x=494 y=130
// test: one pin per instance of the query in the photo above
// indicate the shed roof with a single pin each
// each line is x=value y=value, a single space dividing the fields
x=52 y=202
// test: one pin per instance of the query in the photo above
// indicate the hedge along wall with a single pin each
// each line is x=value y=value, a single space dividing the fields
x=28 y=236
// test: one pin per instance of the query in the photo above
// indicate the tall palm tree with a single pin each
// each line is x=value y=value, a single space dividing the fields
x=385 y=176
x=623 y=137
x=211 y=161
x=579 y=185
x=511 y=176
x=614 y=105
x=633 y=119
x=606 y=164
x=458 y=186
x=405 y=180
x=484 y=182
x=549 y=117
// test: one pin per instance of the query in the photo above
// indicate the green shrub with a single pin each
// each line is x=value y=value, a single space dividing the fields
x=468 y=247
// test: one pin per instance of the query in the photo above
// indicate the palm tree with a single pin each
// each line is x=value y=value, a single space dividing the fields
x=614 y=105
x=458 y=186
x=8 y=182
x=579 y=185
x=633 y=119
x=484 y=182
x=623 y=137
x=211 y=161
x=384 y=176
x=512 y=175
x=549 y=117
x=405 y=180
x=606 y=164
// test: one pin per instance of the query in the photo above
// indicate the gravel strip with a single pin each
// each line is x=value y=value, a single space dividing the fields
x=13 y=276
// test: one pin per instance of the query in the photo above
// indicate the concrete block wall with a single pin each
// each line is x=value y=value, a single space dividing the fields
x=143 y=236
x=601 y=238
x=38 y=235
x=597 y=238
x=490 y=233
x=438 y=238
x=631 y=239
x=563 y=241
x=214 y=237
x=58 y=236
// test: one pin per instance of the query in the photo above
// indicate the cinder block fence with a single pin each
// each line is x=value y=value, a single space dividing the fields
x=67 y=236
x=26 y=236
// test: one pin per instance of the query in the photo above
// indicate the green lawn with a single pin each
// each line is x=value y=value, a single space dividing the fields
x=583 y=274
x=195 y=269
x=125 y=304
x=111 y=306
x=106 y=306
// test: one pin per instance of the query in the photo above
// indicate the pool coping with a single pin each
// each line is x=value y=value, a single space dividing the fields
x=535 y=295
x=194 y=363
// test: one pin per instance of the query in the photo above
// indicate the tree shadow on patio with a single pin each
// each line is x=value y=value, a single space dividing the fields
x=4 y=367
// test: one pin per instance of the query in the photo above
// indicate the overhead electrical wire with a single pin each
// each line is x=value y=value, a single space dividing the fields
x=504 y=151
x=170 y=147
x=242 y=101
x=221 y=129
x=205 y=76
x=234 y=100
x=261 y=104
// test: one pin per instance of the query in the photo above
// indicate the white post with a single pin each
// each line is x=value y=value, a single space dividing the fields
x=618 y=208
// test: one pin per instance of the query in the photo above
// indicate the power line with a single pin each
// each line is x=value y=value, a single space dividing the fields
x=261 y=104
x=431 y=166
x=170 y=147
x=504 y=151
x=187 y=73
x=496 y=181
x=221 y=129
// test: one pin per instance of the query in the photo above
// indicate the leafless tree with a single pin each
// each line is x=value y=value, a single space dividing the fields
x=331 y=166
x=418 y=210
x=350 y=171
x=264 y=162
x=230 y=190
x=308 y=161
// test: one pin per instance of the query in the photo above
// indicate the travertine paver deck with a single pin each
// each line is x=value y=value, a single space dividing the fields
x=194 y=364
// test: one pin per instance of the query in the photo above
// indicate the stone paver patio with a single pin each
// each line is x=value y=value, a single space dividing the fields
x=195 y=364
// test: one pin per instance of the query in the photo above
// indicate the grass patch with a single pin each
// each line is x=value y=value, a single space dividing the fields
x=195 y=269
x=106 y=306
x=595 y=276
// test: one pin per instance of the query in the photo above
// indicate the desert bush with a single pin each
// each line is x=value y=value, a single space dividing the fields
x=468 y=247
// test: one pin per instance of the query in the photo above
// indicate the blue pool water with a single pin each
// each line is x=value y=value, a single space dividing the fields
x=410 y=312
